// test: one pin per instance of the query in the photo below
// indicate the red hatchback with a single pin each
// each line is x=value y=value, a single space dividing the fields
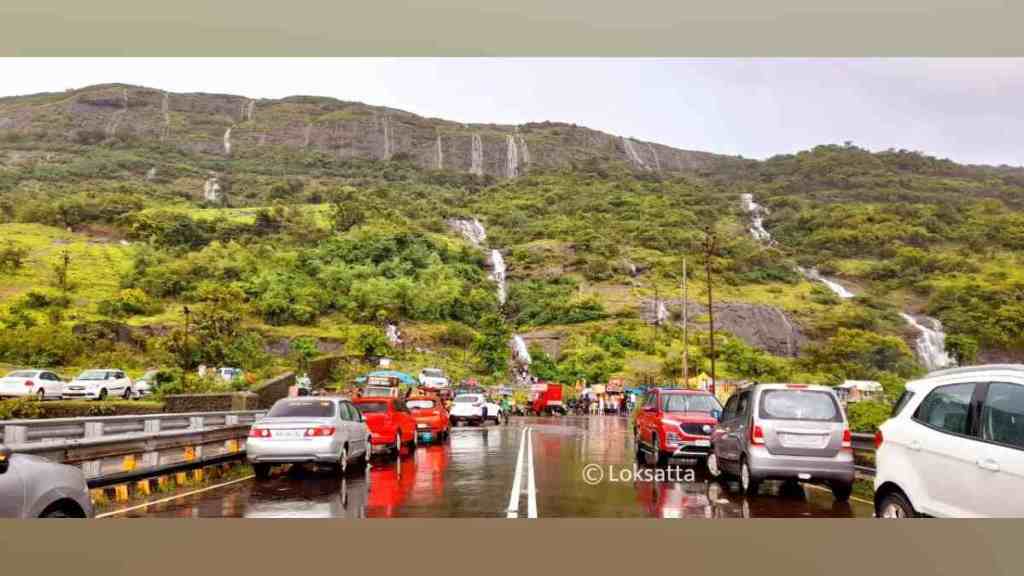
x=432 y=423
x=675 y=423
x=391 y=424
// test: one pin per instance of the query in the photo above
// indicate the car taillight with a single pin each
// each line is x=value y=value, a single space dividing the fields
x=847 y=439
x=320 y=431
x=259 y=433
x=29 y=383
x=756 y=435
x=878 y=439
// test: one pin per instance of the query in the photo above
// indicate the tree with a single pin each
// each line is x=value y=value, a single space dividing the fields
x=491 y=344
x=303 y=350
x=346 y=212
x=12 y=257
x=963 y=348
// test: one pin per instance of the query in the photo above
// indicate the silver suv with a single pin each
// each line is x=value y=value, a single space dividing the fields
x=793 y=432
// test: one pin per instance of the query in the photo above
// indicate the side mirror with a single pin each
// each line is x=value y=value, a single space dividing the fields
x=5 y=458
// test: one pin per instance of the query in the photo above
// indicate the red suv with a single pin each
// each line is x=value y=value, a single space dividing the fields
x=675 y=423
x=391 y=424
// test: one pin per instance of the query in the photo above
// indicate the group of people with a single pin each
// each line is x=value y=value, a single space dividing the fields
x=593 y=406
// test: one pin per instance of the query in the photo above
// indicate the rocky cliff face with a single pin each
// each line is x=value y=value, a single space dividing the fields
x=763 y=327
x=235 y=126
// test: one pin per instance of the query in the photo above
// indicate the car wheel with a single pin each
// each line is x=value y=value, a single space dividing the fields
x=896 y=505
x=841 y=491
x=103 y=394
x=343 y=461
x=262 y=471
x=41 y=394
x=747 y=482
x=127 y=394
x=712 y=464
x=415 y=443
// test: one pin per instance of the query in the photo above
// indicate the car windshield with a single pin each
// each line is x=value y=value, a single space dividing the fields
x=302 y=409
x=372 y=407
x=433 y=373
x=467 y=399
x=22 y=374
x=799 y=405
x=94 y=375
x=689 y=403
x=420 y=404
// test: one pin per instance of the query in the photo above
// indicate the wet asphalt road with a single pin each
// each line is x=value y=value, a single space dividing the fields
x=472 y=476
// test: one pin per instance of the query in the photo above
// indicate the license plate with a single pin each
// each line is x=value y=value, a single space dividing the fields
x=702 y=443
x=426 y=436
x=803 y=440
x=286 y=433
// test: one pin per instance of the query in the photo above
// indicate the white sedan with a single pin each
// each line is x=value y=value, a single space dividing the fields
x=99 y=384
x=42 y=384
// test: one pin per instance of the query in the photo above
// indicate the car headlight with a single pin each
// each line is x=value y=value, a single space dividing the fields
x=673 y=438
x=707 y=428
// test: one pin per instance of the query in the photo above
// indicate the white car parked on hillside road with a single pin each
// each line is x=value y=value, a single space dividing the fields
x=42 y=384
x=954 y=446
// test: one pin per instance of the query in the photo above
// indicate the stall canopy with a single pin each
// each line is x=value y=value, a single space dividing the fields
x=400 y=376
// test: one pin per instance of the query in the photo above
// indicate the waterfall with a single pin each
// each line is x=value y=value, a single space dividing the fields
x=248 y=110
x=498 y=266
x=631 y=152
x=227 y=141
x=512 y=158
x=440 y=154
x=757 y=213
x=522 y=353
x=387 y=137
x=654 y=154
x=477 y=156
x=165 y=108
x=836 y=288
x=526 y=151
x=394 y=337
x=930 y=343
x=471 y=230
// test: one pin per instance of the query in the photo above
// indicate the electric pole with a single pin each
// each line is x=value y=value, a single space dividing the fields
x=710 y=247
x=686 y=340
x=187 y=354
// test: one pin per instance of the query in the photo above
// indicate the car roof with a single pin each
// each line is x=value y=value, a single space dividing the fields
x=949 y=375
x=681 y=391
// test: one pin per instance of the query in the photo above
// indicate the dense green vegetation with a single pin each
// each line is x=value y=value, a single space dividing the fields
x=304 y=245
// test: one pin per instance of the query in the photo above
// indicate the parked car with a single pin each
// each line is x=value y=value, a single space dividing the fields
x=42 y=384
x=391 y=424
x=308 y=430
x=34 y=487
x=99 y=384
x=793 y=432
x=471 y=408
x=954 y=446
x=675 y=424
x=147 y=384
x=431 y=418
x=433 y=378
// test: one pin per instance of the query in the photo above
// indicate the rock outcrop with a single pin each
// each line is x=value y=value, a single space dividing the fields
x=761 y=326
x=234 y=126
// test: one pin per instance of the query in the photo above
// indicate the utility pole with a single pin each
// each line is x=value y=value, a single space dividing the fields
x=657 y=316
x=185 y=362
x=686 y=340
x=710 y=247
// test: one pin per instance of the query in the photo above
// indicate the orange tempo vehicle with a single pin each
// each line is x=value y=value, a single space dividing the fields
x=432 y=422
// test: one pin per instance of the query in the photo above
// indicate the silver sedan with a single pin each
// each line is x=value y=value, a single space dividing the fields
x=308 y=430
x=34 y=487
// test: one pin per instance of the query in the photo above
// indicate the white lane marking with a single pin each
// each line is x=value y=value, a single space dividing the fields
x=513 y=498
x=531 y=486
x=175 y=497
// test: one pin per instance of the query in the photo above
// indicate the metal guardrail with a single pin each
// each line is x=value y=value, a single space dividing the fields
x=864 y=442
x=109 y=449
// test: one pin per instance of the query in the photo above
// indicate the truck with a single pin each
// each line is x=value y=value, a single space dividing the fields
x=546 y=399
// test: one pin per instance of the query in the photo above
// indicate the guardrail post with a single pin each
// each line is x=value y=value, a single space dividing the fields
x=91 y=468
x=150 y=459
x=231 y=420
x=152 y=426
x=93 y=429
x=195 y=422
x=15 y=434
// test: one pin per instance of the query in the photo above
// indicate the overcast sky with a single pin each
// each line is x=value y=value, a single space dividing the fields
x=969 y=110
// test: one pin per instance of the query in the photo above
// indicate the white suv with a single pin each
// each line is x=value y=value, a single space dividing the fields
x=954 y=446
